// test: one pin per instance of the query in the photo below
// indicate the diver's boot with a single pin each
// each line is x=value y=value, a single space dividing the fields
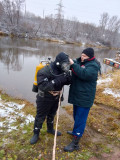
x=35 y=137
x=73 y=145
x=70 y=132
x=51 y=130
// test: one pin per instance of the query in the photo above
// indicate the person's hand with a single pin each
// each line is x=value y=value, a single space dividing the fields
x=54 y=93
x=71 y=61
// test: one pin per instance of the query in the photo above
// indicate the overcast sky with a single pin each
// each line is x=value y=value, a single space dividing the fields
x=84 y=10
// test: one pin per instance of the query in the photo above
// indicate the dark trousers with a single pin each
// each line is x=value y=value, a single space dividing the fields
x=46 y=108
x=80 y=115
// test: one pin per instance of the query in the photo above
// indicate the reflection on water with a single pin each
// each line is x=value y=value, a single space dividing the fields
x=19 y=57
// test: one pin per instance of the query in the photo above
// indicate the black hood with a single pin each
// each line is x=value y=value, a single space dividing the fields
x=62 y=57
x=56 y=66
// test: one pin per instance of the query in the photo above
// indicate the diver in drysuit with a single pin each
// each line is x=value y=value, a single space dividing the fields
x=50 y=80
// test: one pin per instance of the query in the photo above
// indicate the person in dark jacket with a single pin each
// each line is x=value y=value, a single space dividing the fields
x=82 y=93
x=50 y=80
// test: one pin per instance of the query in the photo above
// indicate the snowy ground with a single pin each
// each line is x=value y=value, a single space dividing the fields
x=115 y=93
x=10 y=112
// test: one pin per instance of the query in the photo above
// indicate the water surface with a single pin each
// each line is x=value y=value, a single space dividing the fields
x=19 y=58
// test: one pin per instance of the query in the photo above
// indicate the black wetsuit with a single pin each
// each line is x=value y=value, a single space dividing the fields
x=50 y=78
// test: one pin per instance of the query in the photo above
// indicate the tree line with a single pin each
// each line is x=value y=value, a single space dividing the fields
x=15 y=20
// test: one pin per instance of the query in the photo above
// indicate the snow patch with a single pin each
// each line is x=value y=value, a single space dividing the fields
x=24 y=131
x=2 y=113
x=83 y=44
x=15 y=105
x=11 y=112
x=1 y=124
x=114 y=94
x=1 y=105
x=12 y=128
x=100 y=81
x=29 y=119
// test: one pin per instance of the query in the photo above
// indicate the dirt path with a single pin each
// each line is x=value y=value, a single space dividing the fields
x=109 y=108
x=115 y=155
x=97 y=138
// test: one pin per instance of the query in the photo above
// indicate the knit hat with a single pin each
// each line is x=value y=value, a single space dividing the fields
x=89 y=52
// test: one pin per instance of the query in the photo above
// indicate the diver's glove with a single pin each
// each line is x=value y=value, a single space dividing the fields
x=69 y=77
x=60 y=81
x=61 y=78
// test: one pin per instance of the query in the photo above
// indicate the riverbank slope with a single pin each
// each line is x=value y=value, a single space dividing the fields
x=101 y=139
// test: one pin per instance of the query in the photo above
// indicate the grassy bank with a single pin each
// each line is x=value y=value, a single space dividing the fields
x=101 y=140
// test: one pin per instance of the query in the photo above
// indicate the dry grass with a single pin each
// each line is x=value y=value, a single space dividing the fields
x=3 y=34
x=104 y=120
x=107 y=99
x=116 y=80
x=69 y=109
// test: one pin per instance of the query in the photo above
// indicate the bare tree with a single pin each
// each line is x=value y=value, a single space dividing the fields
x=50 y=25
x=114 y=24
x=113 y=29
x=1 y=11
x=109 y=29
x=19 y=5
x=12 y=10
x=73 y=29
x=103 y=22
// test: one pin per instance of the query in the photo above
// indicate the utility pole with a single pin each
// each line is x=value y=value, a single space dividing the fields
x=43 y=14
x=59 y=17
x=25 y=7
x=59 y=9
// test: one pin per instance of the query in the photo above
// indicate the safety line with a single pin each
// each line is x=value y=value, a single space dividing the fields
x=55 y=137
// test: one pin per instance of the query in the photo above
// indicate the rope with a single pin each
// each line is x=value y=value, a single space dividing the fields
x=55 y=137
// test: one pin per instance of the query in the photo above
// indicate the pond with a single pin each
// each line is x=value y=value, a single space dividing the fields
x=19 y=58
